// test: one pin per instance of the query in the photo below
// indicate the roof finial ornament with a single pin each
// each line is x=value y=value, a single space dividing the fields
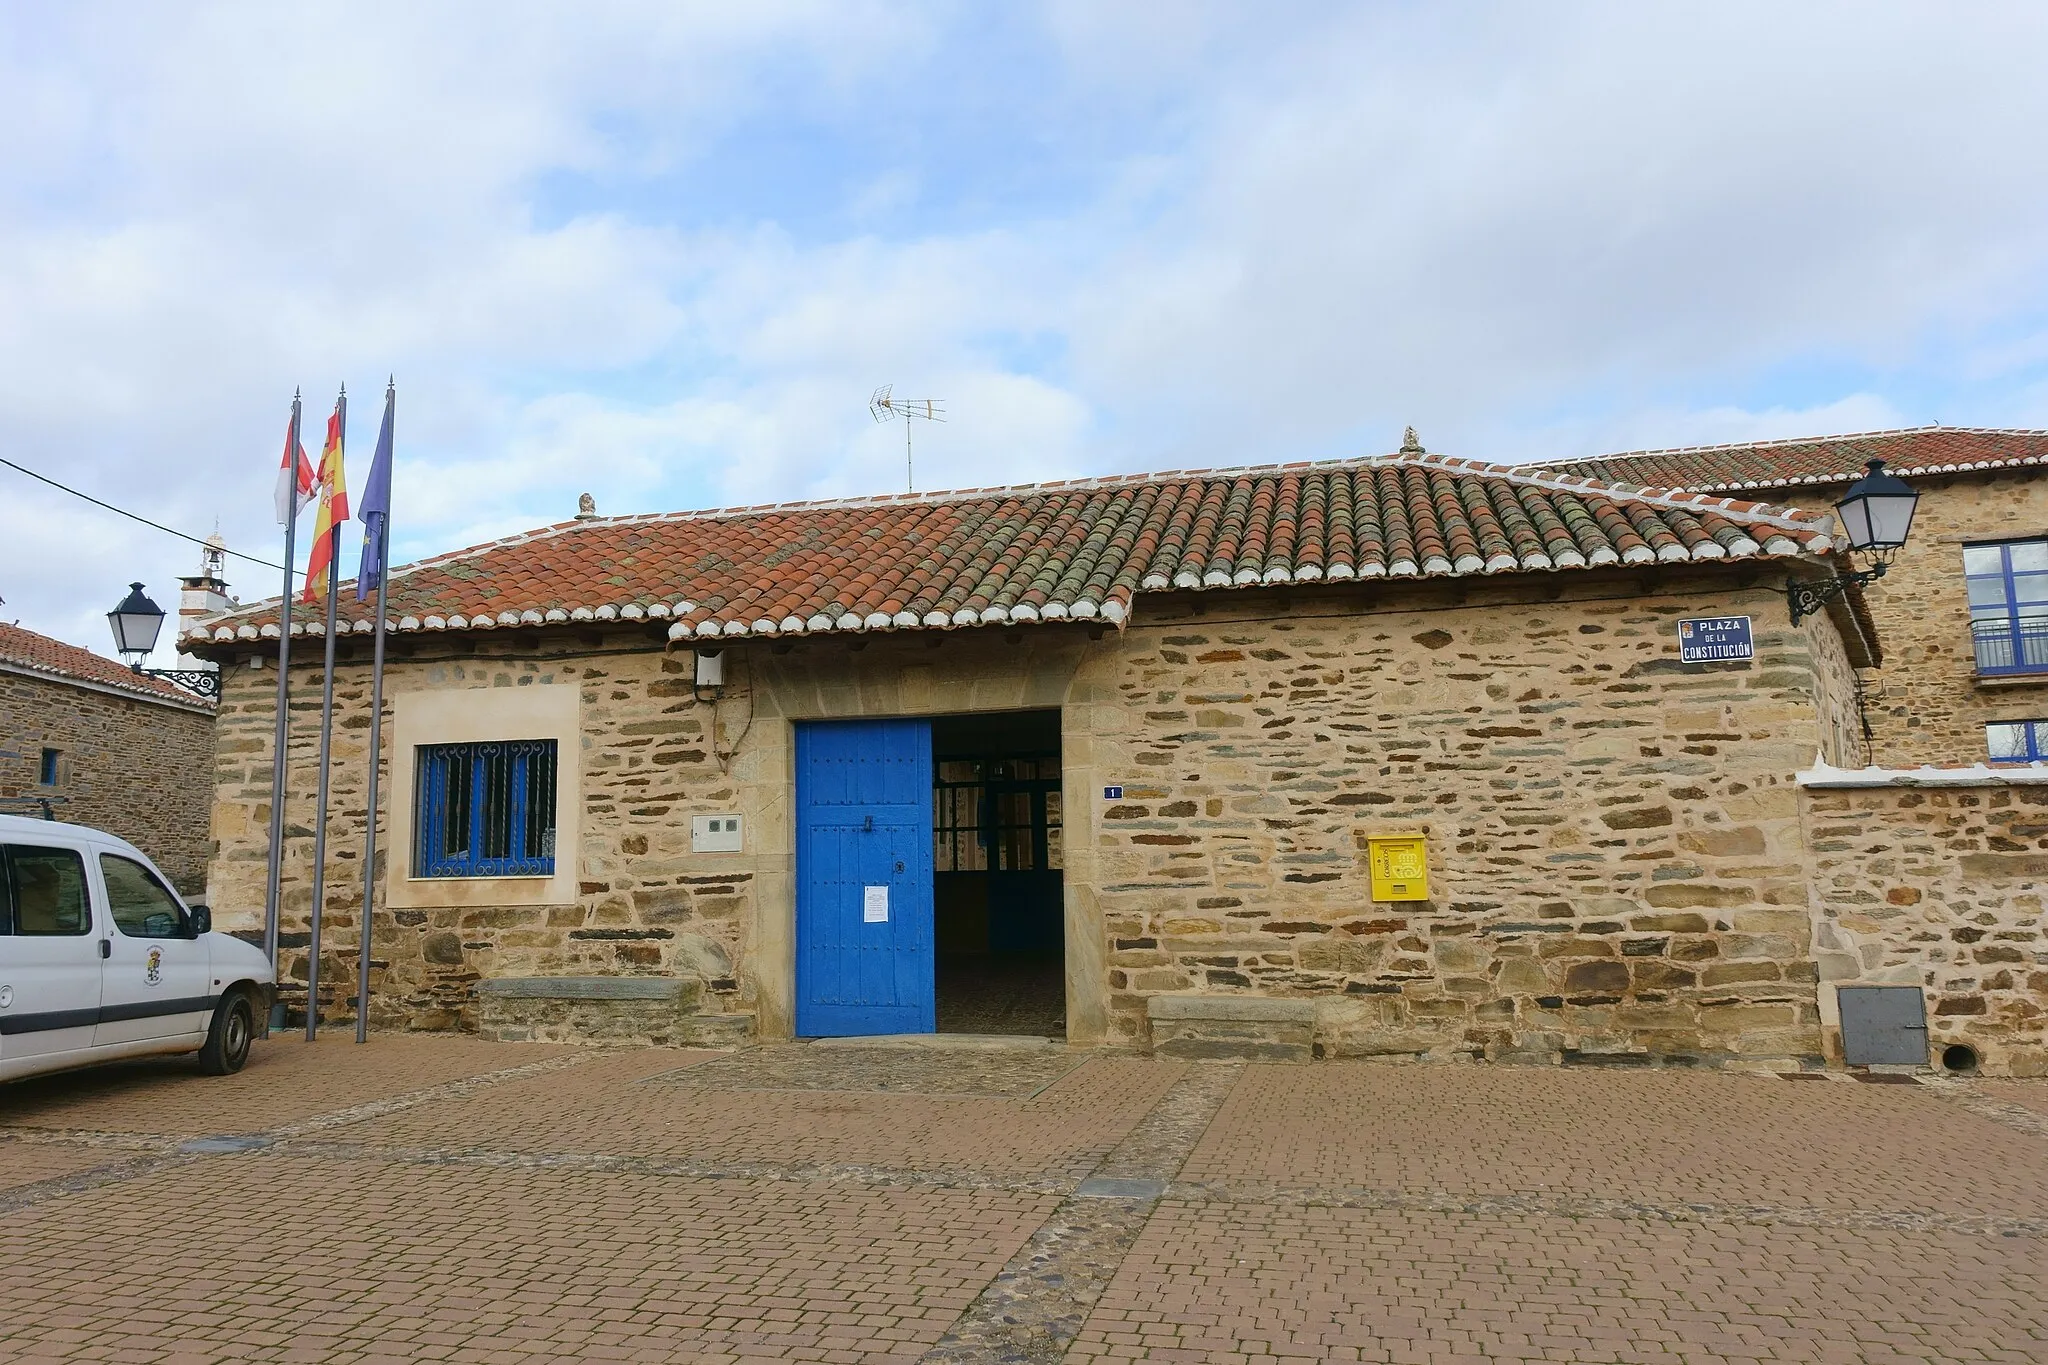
x=1410 y=445
x=586 y=508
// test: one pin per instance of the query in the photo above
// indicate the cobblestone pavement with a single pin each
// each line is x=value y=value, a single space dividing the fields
x=444 y=1199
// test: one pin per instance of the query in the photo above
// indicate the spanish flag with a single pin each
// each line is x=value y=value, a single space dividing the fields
x=333 y=485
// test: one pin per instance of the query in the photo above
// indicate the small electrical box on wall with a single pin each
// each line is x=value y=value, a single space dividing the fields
x=715 y=834
x=1400 y=867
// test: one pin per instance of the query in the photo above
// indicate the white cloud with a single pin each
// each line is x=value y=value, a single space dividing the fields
x=1582 y=201
x=1187 y=236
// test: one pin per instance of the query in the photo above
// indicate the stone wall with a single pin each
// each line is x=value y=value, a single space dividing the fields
x=1939 y=887
x=640 y=905
x=1616 y=863
x=139 y=769
x=1926 y=703
x=1617 y=866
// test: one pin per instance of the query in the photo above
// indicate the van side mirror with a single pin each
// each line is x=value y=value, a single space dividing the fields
x=202 y=920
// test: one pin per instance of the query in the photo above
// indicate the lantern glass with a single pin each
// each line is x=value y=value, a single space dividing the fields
x=135 y=624
x=1877 y=511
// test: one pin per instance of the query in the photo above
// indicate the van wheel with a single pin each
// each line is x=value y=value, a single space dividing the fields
x=227 y=1042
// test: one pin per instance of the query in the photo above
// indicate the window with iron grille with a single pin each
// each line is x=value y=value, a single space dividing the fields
x=2017 y=741
x=2008 y=587
x=486 y=810
x=997 y=815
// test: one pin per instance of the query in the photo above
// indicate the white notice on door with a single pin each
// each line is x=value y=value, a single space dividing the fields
x=874 y=905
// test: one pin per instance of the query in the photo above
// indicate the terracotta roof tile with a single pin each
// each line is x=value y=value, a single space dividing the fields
x=41 y=654
x=1084 y=549
x=1815 y=460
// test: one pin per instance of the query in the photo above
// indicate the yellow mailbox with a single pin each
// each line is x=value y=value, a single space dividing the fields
x=1400 y=867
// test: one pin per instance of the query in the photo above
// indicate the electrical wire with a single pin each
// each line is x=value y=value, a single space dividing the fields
x=122 y=511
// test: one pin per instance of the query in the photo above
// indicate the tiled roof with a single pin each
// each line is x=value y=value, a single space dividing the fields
x=1815 y=460
x=1081 y=550
x=26 y=650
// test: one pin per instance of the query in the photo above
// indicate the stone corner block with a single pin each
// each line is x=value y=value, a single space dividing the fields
x=1236 y=1008
x=659 y=1010
x=585 y=987
x=1232 y=1028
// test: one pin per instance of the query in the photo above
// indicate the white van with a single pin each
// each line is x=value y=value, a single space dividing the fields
x=100 y=959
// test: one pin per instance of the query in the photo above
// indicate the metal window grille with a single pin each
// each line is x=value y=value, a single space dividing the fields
x=2008 y=591
x=997 y=815
x=2017 y=741
x=486 y=810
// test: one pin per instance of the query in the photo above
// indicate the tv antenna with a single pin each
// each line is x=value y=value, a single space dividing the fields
x=885 y=409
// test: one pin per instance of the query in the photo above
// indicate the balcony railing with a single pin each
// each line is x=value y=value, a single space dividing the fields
x=2005 y=648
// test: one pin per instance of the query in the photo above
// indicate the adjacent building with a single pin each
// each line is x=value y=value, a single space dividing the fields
x=85 y=739
x=1962 y=611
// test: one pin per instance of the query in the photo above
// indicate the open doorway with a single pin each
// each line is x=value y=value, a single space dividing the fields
x=997 y=888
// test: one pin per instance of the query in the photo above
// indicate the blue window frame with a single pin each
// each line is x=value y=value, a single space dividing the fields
x=49 y=768
x=2008 y=587
x=486 y=810
x=2017 y=741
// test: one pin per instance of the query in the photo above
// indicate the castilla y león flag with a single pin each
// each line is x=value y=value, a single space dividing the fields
x=287 y=502
x=333 y=509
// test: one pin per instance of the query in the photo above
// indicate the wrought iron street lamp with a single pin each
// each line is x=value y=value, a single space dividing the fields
x=136 y=623
x=1877 y=514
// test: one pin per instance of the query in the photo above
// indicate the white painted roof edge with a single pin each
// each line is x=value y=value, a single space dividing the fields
x=1826 y=775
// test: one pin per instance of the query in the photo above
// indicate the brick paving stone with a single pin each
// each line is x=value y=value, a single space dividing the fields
x=286 y=1079
x=440 y=1199
x=998 y=1073
x=22 y=1163
x=1663 y=1137
x=2029 y=1094
x=1063 y=1129
x=1238 y=1283
x=340 y=1262
x=1034 y=1308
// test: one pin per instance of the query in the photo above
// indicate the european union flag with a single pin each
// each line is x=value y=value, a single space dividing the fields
x=374 y=511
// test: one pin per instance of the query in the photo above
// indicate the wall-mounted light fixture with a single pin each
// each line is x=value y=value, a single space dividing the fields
x=710 y=674
x=135 y=623
x=1876 y=513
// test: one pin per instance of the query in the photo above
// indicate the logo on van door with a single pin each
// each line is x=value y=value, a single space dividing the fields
x=153 y=967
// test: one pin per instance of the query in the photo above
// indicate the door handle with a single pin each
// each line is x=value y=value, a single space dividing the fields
x=868 y=825
x=106 y=949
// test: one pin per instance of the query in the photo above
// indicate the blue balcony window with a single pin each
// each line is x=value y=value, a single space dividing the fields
x=486 y=810
x=2017 y=741
x=2008 y=588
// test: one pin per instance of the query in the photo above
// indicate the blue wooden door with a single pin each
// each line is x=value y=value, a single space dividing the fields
x=864 y=878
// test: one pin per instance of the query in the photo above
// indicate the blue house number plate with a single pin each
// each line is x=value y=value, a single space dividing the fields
x=1714 y=639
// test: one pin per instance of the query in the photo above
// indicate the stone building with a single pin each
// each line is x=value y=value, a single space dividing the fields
x=1965 y=633
x=1394 y=757
x=86 y=740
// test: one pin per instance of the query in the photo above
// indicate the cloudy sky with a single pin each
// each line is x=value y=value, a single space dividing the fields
x=662 y=252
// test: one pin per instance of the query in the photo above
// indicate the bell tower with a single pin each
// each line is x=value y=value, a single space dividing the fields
x=204 y=593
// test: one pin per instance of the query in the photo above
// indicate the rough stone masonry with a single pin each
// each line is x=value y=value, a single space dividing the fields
x=1618 y=865
x=128 y=765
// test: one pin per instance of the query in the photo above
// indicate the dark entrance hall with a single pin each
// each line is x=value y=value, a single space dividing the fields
x=997 y=881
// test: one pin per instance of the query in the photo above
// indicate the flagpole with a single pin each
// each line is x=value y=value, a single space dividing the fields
x=376 y=756
x=326 y=742
x=383 y=537
x=278 y=773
